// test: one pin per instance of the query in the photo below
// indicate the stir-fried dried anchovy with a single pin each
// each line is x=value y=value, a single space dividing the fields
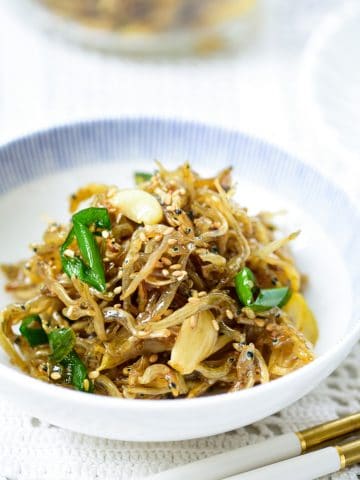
x=179 y=315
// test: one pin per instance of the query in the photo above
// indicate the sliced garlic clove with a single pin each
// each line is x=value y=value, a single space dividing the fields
x=195 y=342
x=139 y=206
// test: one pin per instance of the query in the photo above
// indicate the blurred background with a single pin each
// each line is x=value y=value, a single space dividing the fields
x=283 y=70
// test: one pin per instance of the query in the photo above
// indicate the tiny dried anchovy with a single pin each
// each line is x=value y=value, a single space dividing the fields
x=169 y=323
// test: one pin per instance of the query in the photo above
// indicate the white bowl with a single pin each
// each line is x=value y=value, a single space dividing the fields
x=37 y=173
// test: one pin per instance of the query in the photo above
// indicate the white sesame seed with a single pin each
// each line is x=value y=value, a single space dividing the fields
x=111 y=191
x=179 y=273
x=171 y=208
x=69 y=253
x=55 y=375
x=249 y=312
x=202 y=294
x=193 y=300
x=94 y=374
x=117 y=290
x=153 y=358
x=165 y=261
x=176 y=266
x=158 y=191
x=165 y=272
x=158 y=237
x=215 y=325
x=168 y=230
x=229 y=314
x=105 y=233
x=259 y=323
x=182 y=191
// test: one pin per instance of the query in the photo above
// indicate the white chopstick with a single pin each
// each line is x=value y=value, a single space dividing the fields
x=307 y=467
x=241 y=460
x=264 y=453
x=304 y=467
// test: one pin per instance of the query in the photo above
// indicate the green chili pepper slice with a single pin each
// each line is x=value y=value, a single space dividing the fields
x=245 y=285
x=93 y=216
x=141 y=177
x=271 y=297
x=91 y=254
x=61 y=341
x=35 y=335
x=91 y=270
x=75 y=372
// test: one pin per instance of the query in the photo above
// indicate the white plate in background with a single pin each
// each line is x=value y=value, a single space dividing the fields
x=328 y=93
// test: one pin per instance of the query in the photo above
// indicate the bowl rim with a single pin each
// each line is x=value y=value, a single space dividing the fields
x=340 y=349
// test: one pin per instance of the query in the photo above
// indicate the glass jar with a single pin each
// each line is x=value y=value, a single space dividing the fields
x=150 y=26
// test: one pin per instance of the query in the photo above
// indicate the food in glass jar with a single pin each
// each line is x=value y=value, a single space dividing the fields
x=147 y=16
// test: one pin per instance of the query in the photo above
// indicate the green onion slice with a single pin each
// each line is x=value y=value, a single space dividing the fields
x=246 y=288
x=141 y=177
x=75 y=372
x=271 y=297
x=32 y=330
x=61 y=342
x=245 y=285
x=90 y=269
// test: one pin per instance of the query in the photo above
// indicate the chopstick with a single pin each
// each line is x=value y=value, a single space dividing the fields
x=309 y=466
x=270 y=451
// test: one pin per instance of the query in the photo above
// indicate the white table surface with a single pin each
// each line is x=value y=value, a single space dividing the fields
x=45 y=81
